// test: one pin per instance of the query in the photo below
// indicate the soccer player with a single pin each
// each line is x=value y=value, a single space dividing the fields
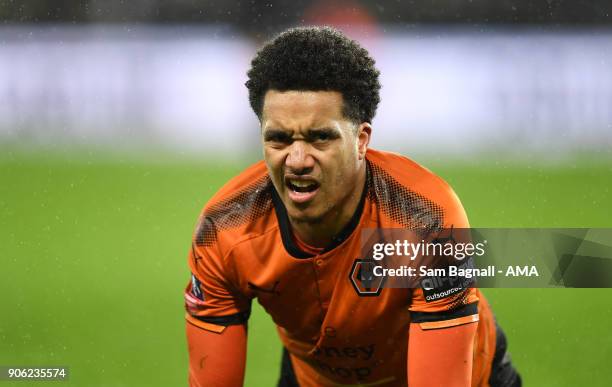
x=286 y=231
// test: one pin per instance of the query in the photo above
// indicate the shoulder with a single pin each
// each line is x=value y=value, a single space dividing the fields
x=412 y=195
x=240 y=210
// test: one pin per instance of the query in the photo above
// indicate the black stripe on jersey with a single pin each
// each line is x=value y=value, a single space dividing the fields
x=465 y=310
x=285 y=227
x=232 y=319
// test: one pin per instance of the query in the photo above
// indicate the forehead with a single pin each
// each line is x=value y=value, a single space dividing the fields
x=301 y=109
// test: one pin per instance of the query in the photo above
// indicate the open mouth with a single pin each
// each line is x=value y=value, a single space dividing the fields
x=301 y=191
x=302 y=186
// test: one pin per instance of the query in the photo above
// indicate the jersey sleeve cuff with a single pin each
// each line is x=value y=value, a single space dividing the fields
x=218 y=324
x=437 y=320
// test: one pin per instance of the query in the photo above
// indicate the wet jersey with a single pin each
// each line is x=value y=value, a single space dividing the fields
x=243 y=248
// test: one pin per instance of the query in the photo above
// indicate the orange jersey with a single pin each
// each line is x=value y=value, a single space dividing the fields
x=243 y=249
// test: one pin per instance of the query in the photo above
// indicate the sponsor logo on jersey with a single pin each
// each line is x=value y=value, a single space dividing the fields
x=194 y=297
x=439 y=287
x=196 y=290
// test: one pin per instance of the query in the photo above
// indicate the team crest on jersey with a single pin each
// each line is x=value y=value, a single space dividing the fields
x=362 y=277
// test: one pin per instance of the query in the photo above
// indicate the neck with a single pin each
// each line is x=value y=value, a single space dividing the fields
x=321 y=234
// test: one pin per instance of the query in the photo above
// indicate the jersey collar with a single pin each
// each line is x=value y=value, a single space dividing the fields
x=285 y=226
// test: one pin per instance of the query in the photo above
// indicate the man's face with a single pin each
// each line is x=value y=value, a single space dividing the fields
x=313 y=153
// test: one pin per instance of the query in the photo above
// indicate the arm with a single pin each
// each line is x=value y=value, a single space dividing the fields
x=216 y=359
x=441 y=357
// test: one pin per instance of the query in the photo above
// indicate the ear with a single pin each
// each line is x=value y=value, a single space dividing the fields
x=364 y=131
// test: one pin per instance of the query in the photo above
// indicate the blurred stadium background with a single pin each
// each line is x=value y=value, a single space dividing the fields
x=118 y=120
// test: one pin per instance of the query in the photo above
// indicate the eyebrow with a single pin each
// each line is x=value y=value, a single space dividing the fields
x=276 y=134
x=328 y=130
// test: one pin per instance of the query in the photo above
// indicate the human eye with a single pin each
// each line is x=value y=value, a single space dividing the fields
x=322 y=136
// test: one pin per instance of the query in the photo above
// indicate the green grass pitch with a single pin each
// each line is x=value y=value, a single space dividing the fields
x=93 y=264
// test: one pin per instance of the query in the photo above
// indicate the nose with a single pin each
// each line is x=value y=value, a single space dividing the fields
x=299 y=160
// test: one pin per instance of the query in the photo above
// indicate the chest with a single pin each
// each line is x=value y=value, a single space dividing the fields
x=318 y=297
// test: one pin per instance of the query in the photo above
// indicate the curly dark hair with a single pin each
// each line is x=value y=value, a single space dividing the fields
x=316 y=58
